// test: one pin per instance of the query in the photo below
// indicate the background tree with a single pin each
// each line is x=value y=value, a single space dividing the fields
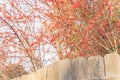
x=13 y=70
x=83 y=27
x=22 y=35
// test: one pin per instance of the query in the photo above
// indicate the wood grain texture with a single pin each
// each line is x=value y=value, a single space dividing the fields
x=52 y=72
x=80 y=68
x=64 y=68
x=112 y=64
x=96 y=67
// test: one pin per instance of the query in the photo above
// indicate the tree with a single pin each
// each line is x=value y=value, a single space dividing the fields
x=12 y=71
x=20 y=36
x=83 y=27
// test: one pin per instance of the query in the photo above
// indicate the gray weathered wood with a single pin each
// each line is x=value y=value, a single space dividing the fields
x=80 y=68
x=96 y=67
x=64 y=68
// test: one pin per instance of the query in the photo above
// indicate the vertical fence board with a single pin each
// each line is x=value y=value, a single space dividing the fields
x=39 y=74
x=24 y=77
x=42 y=74
x=80 y=68
x=18 y=78
x=31 y=76
x=96 y=67
x=52 y=72
x=112 y=64
x=64 y=70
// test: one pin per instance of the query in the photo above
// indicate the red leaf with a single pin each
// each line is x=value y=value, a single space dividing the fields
x=8 y=17
x=102 y=33
x=68 y=55
x=81 y=54
x=70 y=42
x=12 y=4
x=52 y=40
x=76 y=5
x=84 y=40
x=89 y=28
x=33 y=43
x=51 y=0
x=85 y=45
x=106 y=2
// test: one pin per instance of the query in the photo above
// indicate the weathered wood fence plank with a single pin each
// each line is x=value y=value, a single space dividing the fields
x=112 y=64
x=65 y=70
x=32 y=76
x=52 y=72
x=80 y=68
x=96 y=67
x=39 y=74
x=42 y=73
x=25 y=77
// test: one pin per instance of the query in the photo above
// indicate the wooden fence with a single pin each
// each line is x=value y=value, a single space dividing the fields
x=92 y=68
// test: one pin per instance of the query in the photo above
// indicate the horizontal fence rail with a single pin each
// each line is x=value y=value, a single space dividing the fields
x=92 y=68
